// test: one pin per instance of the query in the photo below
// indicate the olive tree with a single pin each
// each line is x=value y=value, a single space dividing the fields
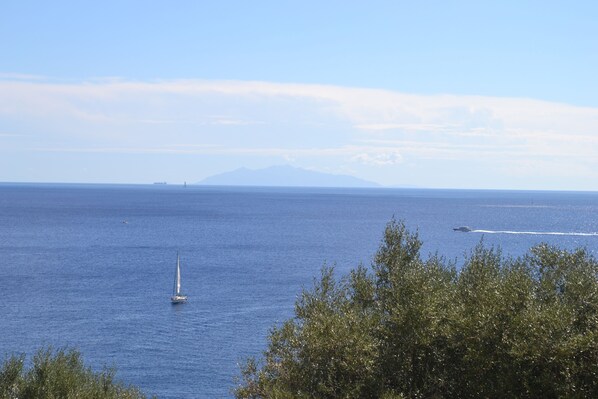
x=413 y=328
x=59 y=374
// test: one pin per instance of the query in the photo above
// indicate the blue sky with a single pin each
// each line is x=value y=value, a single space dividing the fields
x=465 y=94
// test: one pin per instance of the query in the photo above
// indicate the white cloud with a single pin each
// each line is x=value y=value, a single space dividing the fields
x=10 y=135
x=406 y=126
x=20 y=76
x=378 y=159
x=367 y=127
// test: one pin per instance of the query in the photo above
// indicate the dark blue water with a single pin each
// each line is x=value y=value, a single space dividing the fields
x=73 y=274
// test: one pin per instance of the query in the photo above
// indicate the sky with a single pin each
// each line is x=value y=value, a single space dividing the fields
x=438 y=94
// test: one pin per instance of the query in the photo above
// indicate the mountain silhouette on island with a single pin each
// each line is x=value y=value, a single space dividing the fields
x=284 y=176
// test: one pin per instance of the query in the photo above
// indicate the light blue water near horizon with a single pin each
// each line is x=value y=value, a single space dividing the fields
x=73 y=274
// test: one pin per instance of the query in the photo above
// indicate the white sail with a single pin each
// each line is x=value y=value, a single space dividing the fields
x=177 y=276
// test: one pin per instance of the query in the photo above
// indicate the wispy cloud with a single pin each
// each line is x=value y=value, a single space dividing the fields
x=208 y=120
x=10 y=135
x=369 y=127
x=379 y=158
x=21 y=76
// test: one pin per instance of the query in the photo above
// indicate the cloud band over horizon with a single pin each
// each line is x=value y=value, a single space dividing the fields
x=386 y=136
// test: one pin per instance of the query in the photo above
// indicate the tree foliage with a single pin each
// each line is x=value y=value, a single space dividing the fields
x=414 y=328
x=59 y=374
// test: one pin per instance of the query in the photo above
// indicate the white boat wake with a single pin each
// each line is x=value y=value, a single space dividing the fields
x=539 y=233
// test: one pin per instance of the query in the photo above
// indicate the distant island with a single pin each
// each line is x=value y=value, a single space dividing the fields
x=284 y=176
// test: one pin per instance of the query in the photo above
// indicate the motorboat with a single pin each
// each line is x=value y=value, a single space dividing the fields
x=463 y=229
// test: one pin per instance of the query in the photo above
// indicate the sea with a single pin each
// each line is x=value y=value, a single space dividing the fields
x=91 y=267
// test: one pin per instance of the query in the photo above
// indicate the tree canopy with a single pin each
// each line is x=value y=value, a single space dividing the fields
x=413 y=328
x=59 y=374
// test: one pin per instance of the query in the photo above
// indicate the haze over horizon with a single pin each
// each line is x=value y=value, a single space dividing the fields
x=441 y=95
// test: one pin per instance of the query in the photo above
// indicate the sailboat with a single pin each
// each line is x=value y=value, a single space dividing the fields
x=177 y=297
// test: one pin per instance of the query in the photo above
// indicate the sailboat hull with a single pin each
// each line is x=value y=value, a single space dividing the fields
x=178 y=299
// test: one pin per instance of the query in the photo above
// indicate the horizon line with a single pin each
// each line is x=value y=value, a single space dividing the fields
x=246 y=186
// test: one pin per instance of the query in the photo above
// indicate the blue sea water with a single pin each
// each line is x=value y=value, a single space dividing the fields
x=92 y=266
